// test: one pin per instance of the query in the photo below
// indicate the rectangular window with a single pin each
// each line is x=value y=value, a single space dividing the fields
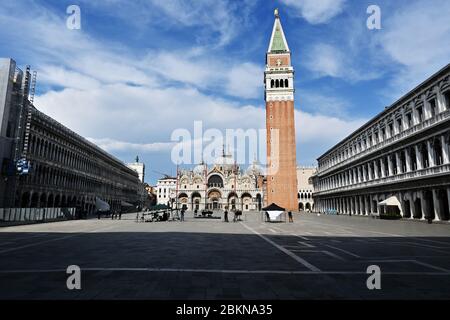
x=433 y=109
x=420 y=114
x=447 y=99
x=409 y=119
x=399 y=125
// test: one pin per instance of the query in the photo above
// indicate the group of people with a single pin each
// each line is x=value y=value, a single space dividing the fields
x=236 y=216
x=113 y=214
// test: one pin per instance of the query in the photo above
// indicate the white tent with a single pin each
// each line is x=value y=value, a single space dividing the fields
x=391 y=201
x=273 y=215
x=101 y=205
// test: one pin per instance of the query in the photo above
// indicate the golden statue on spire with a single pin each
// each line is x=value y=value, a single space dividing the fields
x=276 y=13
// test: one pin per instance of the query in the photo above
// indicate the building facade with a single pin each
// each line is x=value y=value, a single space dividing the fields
x=280 y=121
x=68 y=170
x=402 y=154
x=166 y=190
x=222 y=186
x=305 y=188
x=63 y=168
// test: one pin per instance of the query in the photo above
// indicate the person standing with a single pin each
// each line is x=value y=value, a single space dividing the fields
x=182 y=215
x=290 y=216
x=225 y=216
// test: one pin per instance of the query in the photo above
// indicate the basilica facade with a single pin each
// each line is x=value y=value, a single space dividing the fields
x=221 y=186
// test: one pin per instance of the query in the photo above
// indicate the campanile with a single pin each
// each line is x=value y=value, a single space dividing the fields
x=280 y=122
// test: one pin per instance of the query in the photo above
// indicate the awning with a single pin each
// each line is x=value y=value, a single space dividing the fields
x=391 y=201
x=273 y=207
x=101 y=205
x=126 y=204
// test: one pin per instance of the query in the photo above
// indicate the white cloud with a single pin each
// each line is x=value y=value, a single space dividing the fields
x=325 y=60
x=245 y=80
x=417 y=38
x=112 y=145
x=316 y=11
x=319 y=103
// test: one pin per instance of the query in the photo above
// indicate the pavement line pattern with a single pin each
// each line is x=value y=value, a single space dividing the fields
x=342 y=250
x=289 y=253
x=78 y=233
x=235 y=271
x=424 y=264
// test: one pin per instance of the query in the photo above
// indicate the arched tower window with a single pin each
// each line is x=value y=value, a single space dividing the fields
x=286 y=83
x=277 y=83
x=272 y=83
x=282 y=83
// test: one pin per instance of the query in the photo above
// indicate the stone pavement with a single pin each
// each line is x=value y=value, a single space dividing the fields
x=316 y=257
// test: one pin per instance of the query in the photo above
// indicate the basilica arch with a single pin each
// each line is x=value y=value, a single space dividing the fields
x=214 y=201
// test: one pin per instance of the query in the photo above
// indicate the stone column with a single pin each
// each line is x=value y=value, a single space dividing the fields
x=390 y=165
x=445 y=154
x=375 y=169
x=418 y=158
x=364 y=173
x=366 y=205
x=437 y=206
x=423 y=203
x=431 y=157
x=413 y=196
x=383 y=169
x=369 y=172
x=402 y=204
x=361 y=207
x=408 y=160
x=399 y=162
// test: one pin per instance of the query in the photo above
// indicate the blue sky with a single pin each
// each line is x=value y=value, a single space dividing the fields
x=137 y=70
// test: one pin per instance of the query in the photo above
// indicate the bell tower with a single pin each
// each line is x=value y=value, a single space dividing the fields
x=280 y=121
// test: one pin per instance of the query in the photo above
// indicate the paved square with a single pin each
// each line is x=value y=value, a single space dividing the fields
x=315 y=257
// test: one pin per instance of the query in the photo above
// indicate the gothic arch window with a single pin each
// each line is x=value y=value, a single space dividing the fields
x=277 y=83
x=272 y=83
x=282 y=83
x=286 y=83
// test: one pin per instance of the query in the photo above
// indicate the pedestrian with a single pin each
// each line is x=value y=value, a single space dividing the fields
x=120 y=215
x=225 y=216
x=290 y=216
x=182 y=214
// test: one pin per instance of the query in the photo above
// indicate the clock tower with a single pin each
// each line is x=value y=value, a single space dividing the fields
x=280 y=121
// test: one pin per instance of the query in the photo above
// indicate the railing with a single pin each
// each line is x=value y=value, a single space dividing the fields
x=35 y=214
x=426 y=172
x=404 y=134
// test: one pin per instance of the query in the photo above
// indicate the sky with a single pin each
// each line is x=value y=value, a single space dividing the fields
x=138 y=70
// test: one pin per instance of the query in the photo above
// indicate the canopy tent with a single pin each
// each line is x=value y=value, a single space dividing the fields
x=273 y=212
x=273 y=207
x=391 y=201
x=126 y=204
x=101 y=205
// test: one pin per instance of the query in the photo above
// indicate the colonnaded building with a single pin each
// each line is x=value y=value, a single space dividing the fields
x=402 y=155
x=45 y=164
x=222 y=186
